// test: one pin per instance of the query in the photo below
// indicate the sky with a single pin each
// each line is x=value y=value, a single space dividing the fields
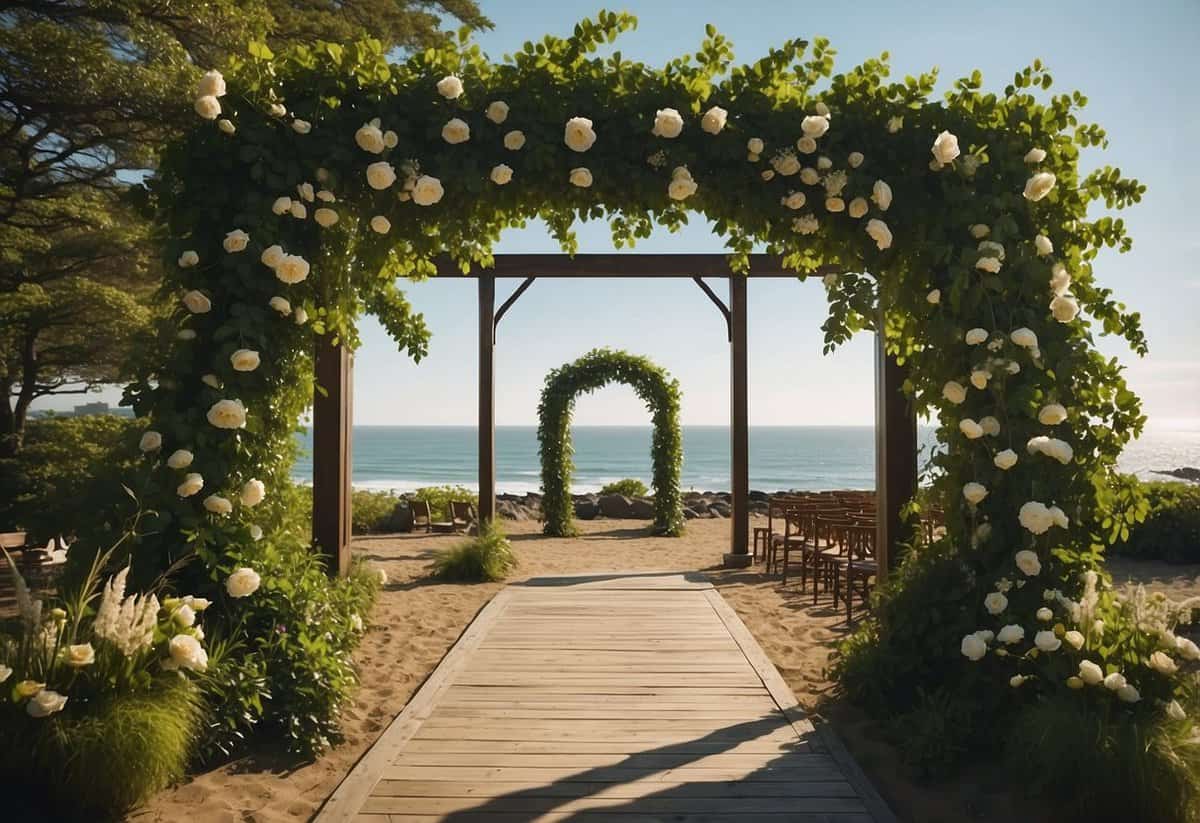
x=1138 y=66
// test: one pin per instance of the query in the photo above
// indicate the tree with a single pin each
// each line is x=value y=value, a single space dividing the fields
x=89 y=92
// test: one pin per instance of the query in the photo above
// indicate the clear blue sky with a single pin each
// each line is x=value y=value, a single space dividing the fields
x=1137 y=63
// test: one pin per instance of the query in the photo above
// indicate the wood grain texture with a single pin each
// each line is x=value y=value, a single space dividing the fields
x=597 y=699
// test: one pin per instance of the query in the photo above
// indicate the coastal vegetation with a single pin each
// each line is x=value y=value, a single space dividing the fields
x=628 y=487
x=485 y=557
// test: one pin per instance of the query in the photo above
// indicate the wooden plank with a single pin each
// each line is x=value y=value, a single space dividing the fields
x=613 y=774
x=487 y=398
x=332 y=415
x=594 y=747
x=642 y=805
x=678 y=788
x=652 y=760
x=627 y=265
x=614 y=816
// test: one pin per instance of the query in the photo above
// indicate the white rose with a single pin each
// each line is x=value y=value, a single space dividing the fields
x=253 y=492
x=47 y=701
x=301 y=126
x=954 y=392
x=974 y=492
x=380 y=175
x=256 y=532
x=280 y=304
x=180 y=459
x=1010 y=634
x=271 y=256
x=211 y=84
x=806 y=145
x=988 y=264
x=1005 y=460
x=381 y=577
x=501 y=174
x=292 y=268
x=282 y=205
x=187 y=653
x=497 y=111
x=973 y=647
x=970 y=428
x=992 y=249
x=814 y=126
x=1188 y=650
x=370 y=138
x=855 y=159
x=226 y=125
x=197 y=302
x=1017 y=680
x=1129 y=694
x=211 y=380
x=794 y=200
x=894 y=124
x=990 y=426
x=186 y=334
x=1163 y=664
x=79 y=655
x=667 y=123
x=456 y=131
x=976 y=336
x=450 y=87
x=188 y=259
x=299 y=210
x=934 y=297
x=1035 y=517
x=185 y=616
x=714 y=120
x=1064 y=308
x=236 y=241
x=980 y=231
x=514 y=140
x=578 y=134
x=945 y=148
x=326 y=196
x=1027 y=561
x=880 y=233
x=1074 y=639
x=755 y=145
x=980 y=378
x=858 y=207
x=208 y=107
x=325 y=217
x=427 y=190
x=244 y=360
x=1044 y=614
x=380 y=224
x=809 y=176
x=243 y=583
x=1043 y=245
x=1060 y=279
x=151 y=441
x=581 y=177
x=1052 y=414
x=806 y=224
x=1047 y=641
x=785 y=163
x=1035 y=156
x=277 y=110
x=227 y=414
x=1090 y=673
x=1114 y=681
x=1039 y=185
x=835 y=204
x=682 y=186
x=1024 y=338
x=192 y=483
x=301 y=316
x=995 y=603
x=881 y=193
x=217 y=504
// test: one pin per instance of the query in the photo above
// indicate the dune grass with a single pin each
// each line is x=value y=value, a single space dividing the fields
x=484 y=558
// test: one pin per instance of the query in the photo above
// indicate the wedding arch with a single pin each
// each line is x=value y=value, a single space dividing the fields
x=593 y=371
x=961 y=228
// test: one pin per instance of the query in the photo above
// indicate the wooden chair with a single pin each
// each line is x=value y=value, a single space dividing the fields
x=422 y=518
x=857 y=567
x=462 y=515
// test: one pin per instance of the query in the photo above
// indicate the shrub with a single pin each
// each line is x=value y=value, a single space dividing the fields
x=371 y=511
x=487 y=557
x=1097 y=764
x=235 y=694
x=935 y=736
x=629 y=487
x=1171 y=530
x=439 y=497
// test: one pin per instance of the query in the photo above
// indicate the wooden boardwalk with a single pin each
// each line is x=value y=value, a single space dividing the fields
x=629 y=698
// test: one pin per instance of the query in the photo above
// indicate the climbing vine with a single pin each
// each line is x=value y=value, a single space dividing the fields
x=594 y=370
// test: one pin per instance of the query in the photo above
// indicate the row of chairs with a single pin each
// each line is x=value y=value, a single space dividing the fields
x=462 y=517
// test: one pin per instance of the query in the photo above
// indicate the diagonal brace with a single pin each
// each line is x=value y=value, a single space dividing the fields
x=718 y=302
x=507 y=304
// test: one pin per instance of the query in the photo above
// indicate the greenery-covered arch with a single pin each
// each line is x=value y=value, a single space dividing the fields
x=324 y=174
x=595 y=370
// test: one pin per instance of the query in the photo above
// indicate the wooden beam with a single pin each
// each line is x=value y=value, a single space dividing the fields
x=739 y=426
x=895 y=456
x=625 y=265
x=332 y=422
x=487 y=397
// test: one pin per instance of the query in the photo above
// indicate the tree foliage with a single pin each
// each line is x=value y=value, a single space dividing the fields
x=595 y=370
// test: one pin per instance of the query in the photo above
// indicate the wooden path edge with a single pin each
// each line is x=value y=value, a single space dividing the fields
x=785 y=698
x=354 y=789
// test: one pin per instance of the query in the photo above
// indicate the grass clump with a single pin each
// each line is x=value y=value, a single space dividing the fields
x=484 y=558
x=629 y=487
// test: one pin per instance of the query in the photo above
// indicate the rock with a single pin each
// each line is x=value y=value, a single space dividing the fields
x=641 y=508
x=1185 y=473
x=720 y=508
x=614 y=505
x=689 y=514
x=759 y=497
x=586 y=509
x=402 y=518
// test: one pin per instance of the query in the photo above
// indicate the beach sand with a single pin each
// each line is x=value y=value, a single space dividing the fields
x=417 y=620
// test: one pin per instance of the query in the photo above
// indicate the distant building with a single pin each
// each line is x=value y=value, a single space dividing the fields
x=99 y=407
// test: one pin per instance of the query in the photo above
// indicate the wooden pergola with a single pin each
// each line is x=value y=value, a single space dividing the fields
x=895 y=420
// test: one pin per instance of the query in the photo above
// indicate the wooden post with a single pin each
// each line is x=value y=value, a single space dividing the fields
x=895 y=456
x=332 y=420
x=739 y=426
x=487 y=397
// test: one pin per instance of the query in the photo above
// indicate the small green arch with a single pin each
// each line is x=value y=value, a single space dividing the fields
x=590 y=372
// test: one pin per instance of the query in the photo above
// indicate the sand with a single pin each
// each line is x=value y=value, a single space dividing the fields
x=417 y=620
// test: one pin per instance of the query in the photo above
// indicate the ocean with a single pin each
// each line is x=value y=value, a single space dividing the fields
x=404 y=458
